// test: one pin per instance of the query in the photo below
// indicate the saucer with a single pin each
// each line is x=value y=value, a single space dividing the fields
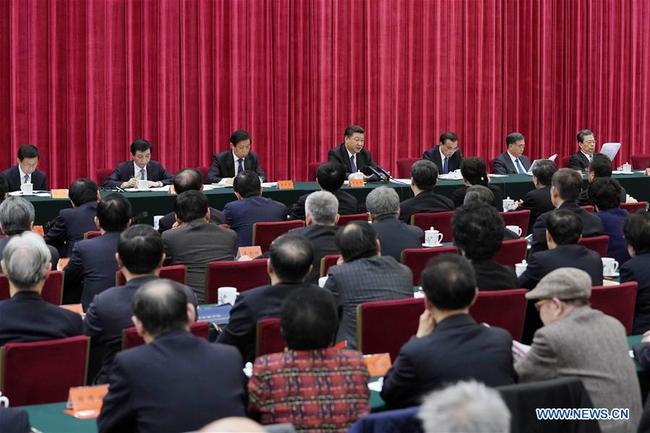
x=431 y=245
x=614 y=275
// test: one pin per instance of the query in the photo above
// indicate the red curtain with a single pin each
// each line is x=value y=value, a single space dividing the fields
x=81 y=79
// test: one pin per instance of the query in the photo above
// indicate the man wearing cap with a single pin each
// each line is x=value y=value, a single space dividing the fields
x=579 y=341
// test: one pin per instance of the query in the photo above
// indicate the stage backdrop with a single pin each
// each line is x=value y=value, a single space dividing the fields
x=81 y=79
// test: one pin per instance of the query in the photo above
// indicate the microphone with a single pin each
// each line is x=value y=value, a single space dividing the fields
x=379 y=173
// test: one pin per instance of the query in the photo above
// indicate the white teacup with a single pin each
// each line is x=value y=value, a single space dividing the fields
x=432 y=237
x=143 y=184
x=227 y=295
x=322 y=281
x=4 y=401
x=156 y=221
x=508 y=204
x=610 y=266
x=515 y=229
x=520 y=268
x=27 y=188
x=357 y=175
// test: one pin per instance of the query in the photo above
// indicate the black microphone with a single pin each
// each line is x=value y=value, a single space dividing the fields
x=381 y=174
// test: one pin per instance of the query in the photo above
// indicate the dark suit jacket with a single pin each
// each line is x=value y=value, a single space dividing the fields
x=591 y=225
x=242 y=214
x=613 y=220
x=91 y=268
x=347 y=205
x=537 y=201
x=458 y=196
x=576 y=256
x=223 y=165
x=125 y=171
x=70 y=226
x=457 y=349
x=584 y=199
x=395 y=236
x=175 y=384
x=503 y=164
x=426 y=201
x=433 y=155
x=53 y=252
x=165 y=223
x=14 y=420
x=363 y=159
x=322 y=242
x=492 y=276
x=39 y=179
x=27 y=317
x=578 y=161
x=638 y=269
x=251 y=306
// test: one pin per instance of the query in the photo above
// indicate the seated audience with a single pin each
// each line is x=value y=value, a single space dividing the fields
x=14 y=420
x=195 y=242
x=605 y=192
x=71 y=224
x=474 y=172
x=636 y=229
x=176 y=382
x=364 y=276
x=189 y=179
x=290 y=260
x=250 y=207
x=394 y=235
x=538 y=200
x=600 y=167
x=92 y=265
x=321 y=217
x=26 y=316
x=587 y=143
x=449 y=345
x=424 y=176
x=333 y=384
x=141 y=167
x=239 y=158
x=352 y=155
x=581 y=342
x=478 y=233
x=4 y=188
x=563 y=231
x=482 y=195
x=329 y=177
x=139 y=257
x=25 y=170
x=565 y=188
x=446 y=155
x=513 y=160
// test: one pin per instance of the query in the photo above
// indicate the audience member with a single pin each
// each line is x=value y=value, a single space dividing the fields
x=14 y=420
x=605 y=192
x=538 y=200
x=290 y=261
x=478 y=233
x=26 y=316
x=482 y=195
x=25 y=170
x=352 y=155
x=513 y=160
x=636 y=229
x=140 y=168
x=195 y=242
x=581 y=342
x=474 y=172
x=600 y=167
x=250 y=207
x=449 y=345
x=333 y=384
x=587 y=143
x=424 y=176
x=446 y=155
x=239 y=158
x=176 y=382
x=364 y=276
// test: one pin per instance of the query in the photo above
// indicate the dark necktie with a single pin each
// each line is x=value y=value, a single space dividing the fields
x=240 y=165
x=445 y=165
x=142 y=174
x=520 y=168
x=353 y=164
x=26 y=180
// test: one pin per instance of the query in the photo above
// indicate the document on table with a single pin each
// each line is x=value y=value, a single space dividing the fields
x=610 y=149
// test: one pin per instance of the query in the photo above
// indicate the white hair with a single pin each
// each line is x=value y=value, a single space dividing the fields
x=26 y=260
x=383 y=201
x=323 y=206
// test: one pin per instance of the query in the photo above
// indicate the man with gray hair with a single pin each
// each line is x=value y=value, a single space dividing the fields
x=466 y=407
x=394 y=235
x=16 y=217
x=26 y=316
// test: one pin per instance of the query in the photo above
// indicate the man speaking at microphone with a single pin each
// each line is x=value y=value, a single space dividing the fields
x=352 y=155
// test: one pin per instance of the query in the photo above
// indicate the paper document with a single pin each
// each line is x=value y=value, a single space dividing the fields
x=550 y=158
x=610 y=149
x=269 y=184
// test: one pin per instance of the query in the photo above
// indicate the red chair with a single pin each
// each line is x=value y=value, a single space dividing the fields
x=641 y=162
x=634 y=207
x=327 y=262
x=404 y=167
x=173 y=272
x=441 y=221
x=503 y=308
x=517 y=218
x=511 y=252
x=312 y=169
x=417 y=258
x=92 y=234
x=265 y=232
x=596 y=243
x=617 y=301
x=52 y=289
x=130 y=337
x=269 y=337
x=589 y=208
x=344 y=219
x=204 y=173
x=243 y=275
x=43 y=371
x=564 y=161
x=101 y=174
x=384 y=326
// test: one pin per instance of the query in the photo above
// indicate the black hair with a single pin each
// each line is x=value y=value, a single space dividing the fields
x=449 y=282
x=605 y=192
x=514 y=137
x=140 y=145
x=331 y=176
x=27 y=151
x=564 y=226
x=239 y=135
x=82 y=191
x=478 y=231
x=353 y=129
x=309 y=319
x=114 y=213
x=140 y=248
x=161 y=306
x=356 y=240
x=247 y=184
x=424 y=174
x=291 y=256
x=190 y=205
x=582 y=134
x=448 y=135
x=601 y=165
x=544 y=171
x=568 y=183
x=189 y=179
x=636 y=230
x=474 y=171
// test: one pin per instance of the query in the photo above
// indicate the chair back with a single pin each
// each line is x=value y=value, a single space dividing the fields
x=641 y=162
x=174 y=272
x=384 y=326
x=265 y=232
x=327 y=262
x=268 y=338
x=92 y=234
x=588 y=208
x=634 y=207
x=43 y=371
x=130 y=337
x=519 y=218
x=440 y=221
x=243 y=275
x=596 y=243
x=511 y=252
x=101 y=174
x=564 y=161
x=404 y=167
x=344 y=219
x=312 y=169
x=617 y=301
x=204 y=173
x=416 y=259
x=503 y=308
x=52 y=289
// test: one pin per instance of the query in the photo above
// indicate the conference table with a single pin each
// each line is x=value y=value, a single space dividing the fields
x=147 y=204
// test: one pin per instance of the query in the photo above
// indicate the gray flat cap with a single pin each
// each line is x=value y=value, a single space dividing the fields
x=563 y=283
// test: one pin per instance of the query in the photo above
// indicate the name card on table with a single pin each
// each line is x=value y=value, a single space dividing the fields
x=38 y=230
x=62 y=263
x=252 y=252
x=85 y=402
x=60 y=193
x=75 y=308
x=378 y=364
x=285 y=184
x=357 y=183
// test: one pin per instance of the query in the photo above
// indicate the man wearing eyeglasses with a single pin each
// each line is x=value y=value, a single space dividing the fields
x=352 y=155
x=513 y=160
x=587 y=143
x=446 y=155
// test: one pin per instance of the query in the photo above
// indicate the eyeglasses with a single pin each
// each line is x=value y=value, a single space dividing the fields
x=538 y=304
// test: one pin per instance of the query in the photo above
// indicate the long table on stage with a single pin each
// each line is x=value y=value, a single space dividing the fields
x=150 y=203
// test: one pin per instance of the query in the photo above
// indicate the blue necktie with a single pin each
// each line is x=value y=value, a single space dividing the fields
x=520 y=168
x=445 y=165
x=240 y=165
x=353 y=164
x=26 y=179
x=142 y=174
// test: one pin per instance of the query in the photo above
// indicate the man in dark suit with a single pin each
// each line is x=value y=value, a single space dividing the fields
x=71 y=224
x=563 y=231
x=92 y=265
x=587 y=144
x=140 y=254
x=446 y=155
x=351 y=154
x=538 y=200
x=141 y=167
x=637 y=235
x=290 y=260
x=600 y=167
x=565 y=189
x=25 y=171
x=512 y=161
x=394 y=235
x=424 y=176
x=188 y=179
x=26 y=316
x=14 y=420
x=449 y=345
x=250 y=207
x=176 y=382
x=229 y=163
x=196 y=242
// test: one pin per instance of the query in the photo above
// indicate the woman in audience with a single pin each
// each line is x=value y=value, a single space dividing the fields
x=605 y=193
x=637 y=235
x=312 y=385
x=474 y=172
